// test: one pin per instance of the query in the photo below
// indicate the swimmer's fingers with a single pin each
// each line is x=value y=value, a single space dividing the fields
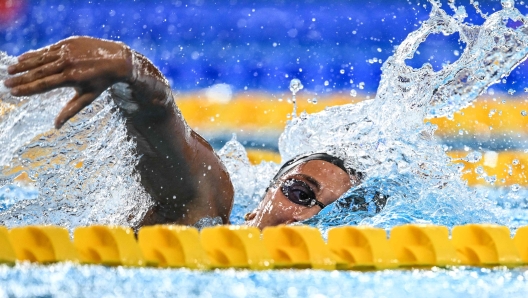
x=39 y=86
x=74 y=106
x=34 y=62
x=34 y=74
x=43 y=51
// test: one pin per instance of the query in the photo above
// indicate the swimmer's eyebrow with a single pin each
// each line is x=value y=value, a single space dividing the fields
x=311 y=180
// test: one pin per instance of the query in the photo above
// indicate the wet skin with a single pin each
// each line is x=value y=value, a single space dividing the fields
x=178 y=168
x=327 y=181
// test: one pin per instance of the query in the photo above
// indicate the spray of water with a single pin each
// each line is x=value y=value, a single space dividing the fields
x=295 y=86
x=79 y=175
x=386 y=138
x=84 y=172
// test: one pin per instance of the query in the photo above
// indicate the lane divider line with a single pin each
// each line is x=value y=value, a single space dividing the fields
x=243 y=247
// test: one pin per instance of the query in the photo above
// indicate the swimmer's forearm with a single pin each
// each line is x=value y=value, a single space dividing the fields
x=144 y=90
x=177 y=166
x=179 y=169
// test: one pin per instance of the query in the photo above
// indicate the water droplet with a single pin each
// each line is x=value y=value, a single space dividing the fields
x=280 y=99
x=361 y=85
x=479 y=170
x=515 y=162
x=507 y=3
x=492 y=112
x=511 y=91
x=461 y=132
x=523 y=112
x=353 y=93
x=525 y=89
x=342 y=71
x=314 y=100
x=326 y=83
x=473 y=157
x=295 y=86
x=491 y=179
x=515 y=187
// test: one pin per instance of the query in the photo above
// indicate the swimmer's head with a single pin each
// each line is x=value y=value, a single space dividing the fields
x=301 y=188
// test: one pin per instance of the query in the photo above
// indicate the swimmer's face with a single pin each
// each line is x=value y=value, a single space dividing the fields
x=325 y=180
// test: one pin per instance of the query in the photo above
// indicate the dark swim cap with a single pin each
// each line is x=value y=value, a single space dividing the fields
x=292 y=163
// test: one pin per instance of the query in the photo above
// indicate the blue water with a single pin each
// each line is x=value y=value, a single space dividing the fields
x=67 y=280
x=72 y=280
x=27 y=280
x=250 y=45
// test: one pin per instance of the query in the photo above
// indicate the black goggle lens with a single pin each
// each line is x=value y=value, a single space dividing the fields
x=300 y=193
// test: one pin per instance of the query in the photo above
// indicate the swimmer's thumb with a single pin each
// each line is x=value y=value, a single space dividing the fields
x=74 y=106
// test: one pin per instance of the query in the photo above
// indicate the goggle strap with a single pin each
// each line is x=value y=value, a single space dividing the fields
x=318 y=203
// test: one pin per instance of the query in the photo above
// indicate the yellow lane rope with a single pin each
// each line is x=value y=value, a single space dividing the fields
x=243 y=247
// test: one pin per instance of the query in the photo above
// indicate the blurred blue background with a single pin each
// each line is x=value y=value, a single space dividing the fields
x=332 y=46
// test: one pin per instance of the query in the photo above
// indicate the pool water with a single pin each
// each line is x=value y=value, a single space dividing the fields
x=68 y=280
x=83 y=174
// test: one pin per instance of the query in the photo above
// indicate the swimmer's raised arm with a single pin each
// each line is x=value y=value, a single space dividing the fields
x=178 y=167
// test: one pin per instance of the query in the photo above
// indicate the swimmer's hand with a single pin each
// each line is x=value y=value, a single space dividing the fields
x=178 y=168
x=89 y=65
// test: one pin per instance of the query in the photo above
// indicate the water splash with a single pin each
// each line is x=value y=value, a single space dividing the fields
x=85 y=172
x=295 y=86
x=387 y=139
x=249 y=181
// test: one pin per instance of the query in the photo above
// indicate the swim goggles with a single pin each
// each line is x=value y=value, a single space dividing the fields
x=300 y=193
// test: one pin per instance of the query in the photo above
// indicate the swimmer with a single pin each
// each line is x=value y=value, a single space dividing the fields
x=178 y=168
